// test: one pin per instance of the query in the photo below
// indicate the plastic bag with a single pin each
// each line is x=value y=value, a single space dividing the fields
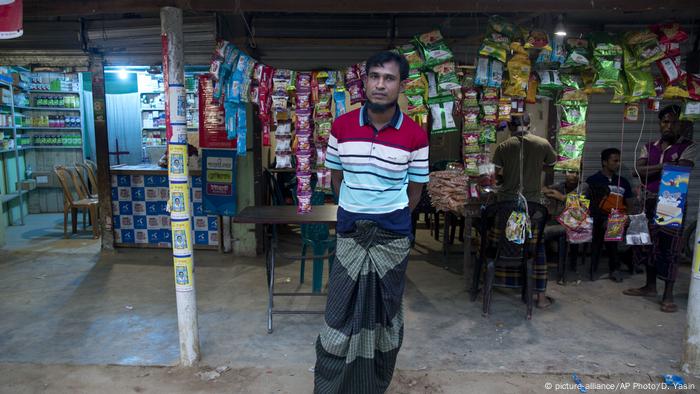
x=443 y=121
x=638 y=230
x=582 y=234
x=693 y=81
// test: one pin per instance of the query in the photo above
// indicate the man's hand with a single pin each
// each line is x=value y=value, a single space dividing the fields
x=554 y=194
x=414 y=192
x=336 y=180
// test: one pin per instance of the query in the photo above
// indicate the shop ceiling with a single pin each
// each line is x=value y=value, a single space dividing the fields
x=306 y=34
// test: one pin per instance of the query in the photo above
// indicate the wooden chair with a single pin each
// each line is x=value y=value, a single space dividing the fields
x=91 y=181
x=70 y=184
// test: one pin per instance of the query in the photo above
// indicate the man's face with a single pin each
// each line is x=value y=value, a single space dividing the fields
x=613 y=163
x=571 y=178
x=383 y=85
x=669 y=127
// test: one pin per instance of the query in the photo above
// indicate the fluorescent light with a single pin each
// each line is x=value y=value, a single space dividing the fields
x=559 y=30
x=122 y=74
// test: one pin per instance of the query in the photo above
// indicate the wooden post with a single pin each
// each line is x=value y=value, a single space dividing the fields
x=104 y=181
x=178 y=178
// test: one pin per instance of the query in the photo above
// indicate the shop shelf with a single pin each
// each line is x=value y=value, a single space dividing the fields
x=50 y=109
x=55 y=91
x=11 y=196
x=55 y=147
x=48 y=128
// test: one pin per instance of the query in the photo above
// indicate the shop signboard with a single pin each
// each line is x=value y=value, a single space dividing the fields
x=219 y=176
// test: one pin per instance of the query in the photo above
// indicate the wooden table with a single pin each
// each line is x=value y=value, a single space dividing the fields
x=270 y=216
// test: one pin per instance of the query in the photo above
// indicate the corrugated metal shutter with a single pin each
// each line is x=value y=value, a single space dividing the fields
x=605 y=131
x=137 y=42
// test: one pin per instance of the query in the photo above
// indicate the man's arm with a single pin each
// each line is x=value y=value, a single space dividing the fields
x=336 y=180
x=414 y=193
x=647 y=170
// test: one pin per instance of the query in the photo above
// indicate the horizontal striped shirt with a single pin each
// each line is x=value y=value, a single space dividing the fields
x=377 y=165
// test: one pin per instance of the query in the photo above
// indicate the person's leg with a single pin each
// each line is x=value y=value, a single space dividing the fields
x=670 y=245
x=613 y=262
x=597 y=245
x=643 y=257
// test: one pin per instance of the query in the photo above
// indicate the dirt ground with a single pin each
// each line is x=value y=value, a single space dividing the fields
x=30 y=378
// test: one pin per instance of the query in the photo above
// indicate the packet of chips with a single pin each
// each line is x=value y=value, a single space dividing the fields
x=537 y=39
x=495 y=74
x=579 y=54
x=304 y=202
x=416 y=105
x=435 y=51
x=532 y=87
x=339 y=100
x=693 y=81
x=549 y=79
x=558 y=55
x=470 y=118
x=482 y=72
x=570 y=151
x=607 y=59
x=518 y=72
x=504 y=107
x=670 y=32
x=488 y=136
x=493 y=50
x=669 y=70
x=470 y=97
x=620 y=91
x=691 y=111
x=640 y=83
x=356 y=91
x=489 y=112
x=679 y=89
x=416 y=84
x=573 y=119
x=447 y=76
x=443 y=121
x=471 y=166
x=571 y=81
x=518 y=227
x=644 y=46
x=471 y=142
x=615 y=229
x=412 y=56
x=501 y=26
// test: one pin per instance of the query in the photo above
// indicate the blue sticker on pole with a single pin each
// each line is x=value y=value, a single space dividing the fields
x=219 y=177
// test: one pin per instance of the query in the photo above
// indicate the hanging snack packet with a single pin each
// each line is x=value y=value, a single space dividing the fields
x=679 y=89
x=532 y=87
x=669 y=32
x=518 y=72
x=303 y=123
x=304 y=202
x=493 y=50
x=573 y=119
x=471 y=166
x=489 y=95
x=669 y=70
x=283 y=159
x=447 y=76
x=542 y=60
x=470 y=97
x=436 y=54
x=579 y=55
x=638 y=230
x=283 y=143
x=501 y=26
x=558 y=51
x=471 y=142
x=538 y=39
x=416 y=84
x=443 y=121
x=303 y=183
x=495 y=74
x=571 y=81
x=303 y=163
x=644 y=46
x=691 y=111
x=339 y=100
x=416 y=105
x=640 y=83
x=488 y=136
x=570 y=151
x=504 y=109
x=303 y=142
x=549 y=79
x=323 y=183
x=412 y=56
x=489 y=110
x=615 y=229
x=693 y=81
x=470 y=118
x=482 y=72
x=582 y=234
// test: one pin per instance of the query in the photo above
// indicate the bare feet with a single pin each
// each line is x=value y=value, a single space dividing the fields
x=640 y=292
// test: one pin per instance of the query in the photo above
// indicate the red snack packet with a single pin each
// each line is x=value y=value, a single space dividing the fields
x=669 y=32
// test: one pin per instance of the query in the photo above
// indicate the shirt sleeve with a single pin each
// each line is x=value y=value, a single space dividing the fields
x=332 y=156
x=550 y=157
x=690 y=153
x=418 y=161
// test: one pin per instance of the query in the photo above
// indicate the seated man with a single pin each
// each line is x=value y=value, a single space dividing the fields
x=607 y=191
x=556 y=202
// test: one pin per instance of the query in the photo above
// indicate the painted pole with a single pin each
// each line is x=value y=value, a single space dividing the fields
x=178 y=177
x=690 y=362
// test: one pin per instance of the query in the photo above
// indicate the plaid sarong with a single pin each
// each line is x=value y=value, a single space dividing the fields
x=512 y=277
x=363 y=331
x=666 y=247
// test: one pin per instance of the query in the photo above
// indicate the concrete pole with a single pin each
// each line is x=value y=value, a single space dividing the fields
x=178 y=177
x=690 y=362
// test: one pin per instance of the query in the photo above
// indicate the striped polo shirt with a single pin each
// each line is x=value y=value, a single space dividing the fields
x=377 y=166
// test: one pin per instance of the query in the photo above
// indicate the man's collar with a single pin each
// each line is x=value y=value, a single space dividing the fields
x=395 y=121
x=681 y=139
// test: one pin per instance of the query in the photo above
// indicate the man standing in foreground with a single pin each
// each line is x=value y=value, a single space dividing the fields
x=532 y=153
x=662 y=260
x=379 y=162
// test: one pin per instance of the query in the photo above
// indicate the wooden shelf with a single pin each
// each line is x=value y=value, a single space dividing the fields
x=50 y=128
x=54 y=91
x=11 y=196
x=49 y=109
x=55 y=147
x=2 y=151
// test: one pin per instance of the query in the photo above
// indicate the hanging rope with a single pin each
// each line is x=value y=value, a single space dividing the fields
x=643 y=194
x=622 y=143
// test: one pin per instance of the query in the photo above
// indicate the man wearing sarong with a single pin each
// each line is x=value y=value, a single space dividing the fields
x=379 y=162
x=661 y=258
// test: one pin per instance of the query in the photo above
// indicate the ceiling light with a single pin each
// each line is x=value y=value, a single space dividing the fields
x=559 y=30
x=122 y=74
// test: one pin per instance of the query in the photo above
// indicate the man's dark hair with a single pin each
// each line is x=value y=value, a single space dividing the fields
x=606 y=153
x=380 y=58
x=670 y=109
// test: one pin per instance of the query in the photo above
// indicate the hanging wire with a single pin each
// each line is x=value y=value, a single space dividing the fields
x=643 y=194
x=622 y=143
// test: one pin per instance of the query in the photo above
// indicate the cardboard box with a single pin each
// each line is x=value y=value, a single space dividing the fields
x=46 y=179
x=27 y=184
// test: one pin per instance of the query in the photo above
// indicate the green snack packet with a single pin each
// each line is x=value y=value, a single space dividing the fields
x=443 y=121
x=416 y=84
x=572 y=114
x=640 y=84
x=572 y=81
x=494 y=50
x=502 y=26
x=579 y=56
x=607 y=72
x=447 y=76
x=549 y=79
x=570 y=151
x=436 y=54
x=691 y=110
x=471 y=142
x=605 y=44
x=620 y=90
x=412 y=56
x=488 y=136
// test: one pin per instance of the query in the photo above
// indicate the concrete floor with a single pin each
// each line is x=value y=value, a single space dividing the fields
x=65 y=302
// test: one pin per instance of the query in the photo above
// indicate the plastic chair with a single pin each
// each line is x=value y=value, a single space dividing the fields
x=322 y=243
x=503 y=253
x=91 y=183
x=70 y=184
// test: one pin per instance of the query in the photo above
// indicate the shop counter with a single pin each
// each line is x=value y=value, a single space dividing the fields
x=139 y=201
